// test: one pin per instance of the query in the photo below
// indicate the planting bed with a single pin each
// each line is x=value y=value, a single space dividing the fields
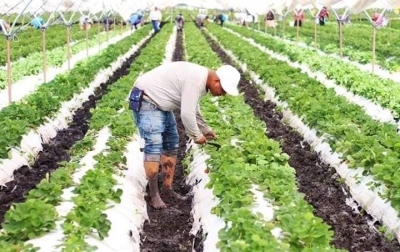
x=26 y=178
x=316 y=180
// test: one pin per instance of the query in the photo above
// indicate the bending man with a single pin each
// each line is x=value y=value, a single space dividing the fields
x=177 y=85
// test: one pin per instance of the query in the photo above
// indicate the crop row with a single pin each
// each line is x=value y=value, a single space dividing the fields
x=359 y=140
x=357 y=42
x=97 y=189
x=30 y=41
x=256 y=165
x=33 y=63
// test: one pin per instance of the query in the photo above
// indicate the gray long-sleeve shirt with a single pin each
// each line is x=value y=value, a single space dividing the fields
x=178 y=85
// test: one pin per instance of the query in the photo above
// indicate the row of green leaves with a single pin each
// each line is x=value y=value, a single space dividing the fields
x=257 y=161
x=33 y=63
x=96 y=187
x=382 y=91
x=362 y=141
x=18 y=118
x=357 y=42
x=31 y=41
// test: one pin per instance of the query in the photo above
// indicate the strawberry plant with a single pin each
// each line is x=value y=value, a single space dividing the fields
x=26 y=221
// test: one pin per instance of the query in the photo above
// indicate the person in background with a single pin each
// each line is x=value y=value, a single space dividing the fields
x=270 y=20
x=37 y=23
x=136 y=19
x=344 y=20
x=155 y=17
x=4 y=26
x=154 y=97
x=85 y=22
x=323 y=16
x=202 y=20
x=298 y=17
x=220 y=18
x=107 y=22
x=179 y=22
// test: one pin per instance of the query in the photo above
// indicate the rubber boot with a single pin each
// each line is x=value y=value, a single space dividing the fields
x=151 y=169
x=168 y=168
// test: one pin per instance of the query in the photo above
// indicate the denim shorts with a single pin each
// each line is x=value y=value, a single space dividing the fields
x=157 y=128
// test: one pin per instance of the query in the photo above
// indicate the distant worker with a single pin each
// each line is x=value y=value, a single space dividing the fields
x=155 y=17
x=136 y=19
x=270 y=20
x=85 y=22
x=4 y=26
x=107 y=22
x=323 y=16
x=221 y=18
x=37 y=23
x=344 y=19
x=298 y=17
x=179 y=22
x=202 y=20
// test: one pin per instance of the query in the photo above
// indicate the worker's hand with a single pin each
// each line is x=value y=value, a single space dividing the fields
x=202 y=140
x=211 y=135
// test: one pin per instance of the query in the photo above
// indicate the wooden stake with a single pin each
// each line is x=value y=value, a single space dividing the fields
x=298 y=30
x=87 y=42
x=9 y=70
x=108 y=28
x=98 y=34
x=44 y=54
x=68 y=47
x=122 y=21
x=373 y=49
x=315 y=34
x=341 y=39
x=114 y=24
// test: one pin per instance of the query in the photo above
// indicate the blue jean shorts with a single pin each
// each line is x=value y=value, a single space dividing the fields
x=157 y=128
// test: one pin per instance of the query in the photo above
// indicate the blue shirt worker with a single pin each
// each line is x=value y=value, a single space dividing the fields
x=222 y=18
x=37 y=23
x=136 y=19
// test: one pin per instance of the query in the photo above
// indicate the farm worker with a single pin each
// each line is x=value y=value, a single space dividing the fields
x=222 y=18
x=37 y=23
x=107 y=22
x=4 y=27
x=155 y=17
x=85 y=22
x=298 y=17
x=172 y=86
x=270 y=20
x=323 y=16
x=201 y=19
x=136 y=19
x=179 y=22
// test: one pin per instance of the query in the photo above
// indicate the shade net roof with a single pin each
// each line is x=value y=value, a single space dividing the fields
x=126 y=7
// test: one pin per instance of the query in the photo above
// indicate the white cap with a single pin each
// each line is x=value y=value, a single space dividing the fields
x=229 y=78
